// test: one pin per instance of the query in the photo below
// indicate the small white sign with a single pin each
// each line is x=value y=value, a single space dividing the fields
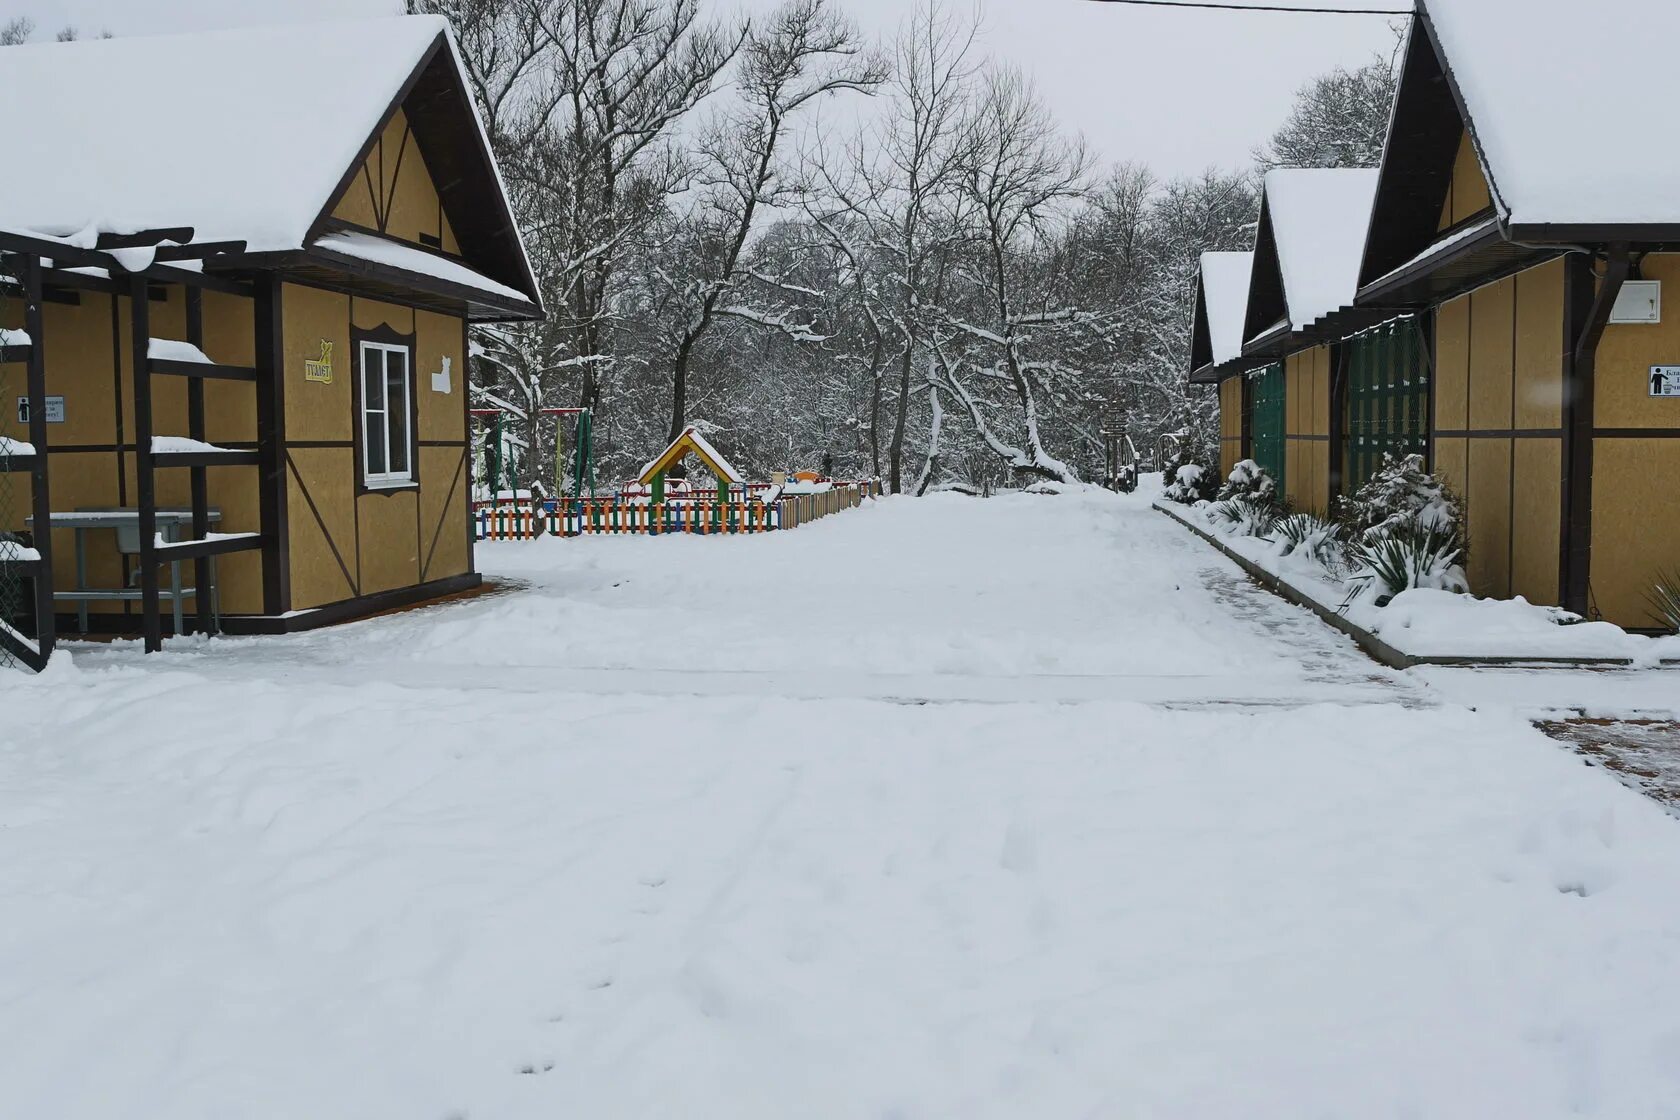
x=1665 y=381
x=440 y=379
x=1640 y=301
x=55 y=410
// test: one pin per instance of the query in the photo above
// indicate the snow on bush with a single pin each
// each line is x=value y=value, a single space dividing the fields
x=1190 y=484
x=1243 y=516
x=1410 y=557
x=1399 y=496
x=1405 y=529
x=1309 y=537
x=1250 y=481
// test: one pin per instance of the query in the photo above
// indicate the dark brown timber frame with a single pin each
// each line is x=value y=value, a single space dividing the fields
x=1586 y=315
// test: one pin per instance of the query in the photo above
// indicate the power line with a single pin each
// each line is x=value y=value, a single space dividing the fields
x=1211 y=5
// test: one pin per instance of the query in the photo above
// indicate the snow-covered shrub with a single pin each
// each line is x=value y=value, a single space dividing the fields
x=1188 y=483
x=1250 y=481
x=1664 y=599
x=1243 y=516
x=1303 y=534
x=1401 y=496
x=1409 y=556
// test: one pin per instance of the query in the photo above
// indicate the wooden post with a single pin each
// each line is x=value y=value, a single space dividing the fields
x=46 y=617
x=271 y=448
x=202 y=601
x=151 y=620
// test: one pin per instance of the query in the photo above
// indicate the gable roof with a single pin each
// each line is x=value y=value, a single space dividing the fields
x=1221 y=307
x=262 y=130
x=1308 y=247
x=691 y=442
x=1558 y=104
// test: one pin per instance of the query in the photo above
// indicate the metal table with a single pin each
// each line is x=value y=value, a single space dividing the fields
x=126 y=522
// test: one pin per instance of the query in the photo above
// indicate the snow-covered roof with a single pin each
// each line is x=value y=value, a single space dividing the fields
x=1319 y=219
x=382 y=250
x=1225 y=280
x=1571 y=114
x=692 y=441
x=242 y=135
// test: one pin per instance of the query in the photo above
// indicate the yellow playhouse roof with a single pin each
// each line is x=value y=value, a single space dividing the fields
x=691 y=442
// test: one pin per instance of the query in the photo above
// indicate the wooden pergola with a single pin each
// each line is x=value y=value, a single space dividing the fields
x=45 y=269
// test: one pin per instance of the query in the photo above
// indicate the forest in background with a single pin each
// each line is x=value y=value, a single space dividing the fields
x=949 y=291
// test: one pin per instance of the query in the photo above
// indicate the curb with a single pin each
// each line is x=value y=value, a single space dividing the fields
x=1373 y=646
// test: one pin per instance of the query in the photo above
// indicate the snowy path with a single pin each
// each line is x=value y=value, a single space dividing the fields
x=959 y=809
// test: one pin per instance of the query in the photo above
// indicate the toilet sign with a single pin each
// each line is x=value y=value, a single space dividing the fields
x=55 y=410
x=1665 y=381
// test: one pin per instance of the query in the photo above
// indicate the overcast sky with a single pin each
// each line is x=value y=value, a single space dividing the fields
x=1178 y=90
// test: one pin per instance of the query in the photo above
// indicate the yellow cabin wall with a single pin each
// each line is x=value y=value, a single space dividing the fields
x=1307 y=429
x=1467 y=194
x=1636 y=518
x=1498 y=414
x=1230 y=425
x=394 y=193
x=348 y=541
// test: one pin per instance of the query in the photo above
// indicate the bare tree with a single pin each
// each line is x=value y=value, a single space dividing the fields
x=16 y=31
x=582 y=99
x=804 y=51
x=1340 y=119
x=1020 y=174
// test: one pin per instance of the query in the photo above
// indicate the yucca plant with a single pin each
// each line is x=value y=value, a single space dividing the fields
x=1411 y=557
x=1664 y=601
x=1244 y=517
x=1303 y=534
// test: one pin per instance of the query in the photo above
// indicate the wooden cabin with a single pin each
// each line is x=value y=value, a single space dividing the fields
x=243 y=350
x=1509 y=320
x=1532 y=231
x=1276 y=391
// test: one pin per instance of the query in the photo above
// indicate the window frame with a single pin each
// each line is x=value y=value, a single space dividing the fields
x=386 y=479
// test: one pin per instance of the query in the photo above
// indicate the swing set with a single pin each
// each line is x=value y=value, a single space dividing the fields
x=508 y=516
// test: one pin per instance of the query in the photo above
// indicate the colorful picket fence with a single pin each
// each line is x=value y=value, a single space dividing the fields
x=513 y=521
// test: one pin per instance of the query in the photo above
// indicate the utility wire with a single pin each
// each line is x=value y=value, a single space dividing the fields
x=1210 y=5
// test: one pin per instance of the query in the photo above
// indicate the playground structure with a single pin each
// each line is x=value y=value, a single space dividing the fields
x=655 y=503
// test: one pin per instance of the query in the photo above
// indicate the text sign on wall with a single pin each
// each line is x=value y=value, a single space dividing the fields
x=320 y=369
x=55 y=410
x=1665 y=381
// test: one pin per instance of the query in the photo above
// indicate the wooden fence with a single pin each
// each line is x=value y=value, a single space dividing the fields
x=515 y=521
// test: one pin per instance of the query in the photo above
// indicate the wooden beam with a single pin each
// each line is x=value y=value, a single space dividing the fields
x=200 y=551
x=199 y=460
x=271 y=444
x=196 y=428
x=1588 y=302
x=151 y=618
x=172 y=367
x=198 y=252
x=144 y=239
x=34 y=322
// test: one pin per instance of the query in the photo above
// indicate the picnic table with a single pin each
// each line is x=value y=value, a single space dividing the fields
x=126 y=522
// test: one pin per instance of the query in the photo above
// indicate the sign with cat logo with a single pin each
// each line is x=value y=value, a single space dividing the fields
x=1665 y=381
x=320 y=370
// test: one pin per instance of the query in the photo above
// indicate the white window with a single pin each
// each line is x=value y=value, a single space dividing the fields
x=387 y=441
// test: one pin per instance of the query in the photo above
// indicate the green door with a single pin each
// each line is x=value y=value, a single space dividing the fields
x=1387 y=399
x=1267 y=420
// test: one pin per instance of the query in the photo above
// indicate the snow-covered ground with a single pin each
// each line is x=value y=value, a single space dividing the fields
x=1030 y=807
